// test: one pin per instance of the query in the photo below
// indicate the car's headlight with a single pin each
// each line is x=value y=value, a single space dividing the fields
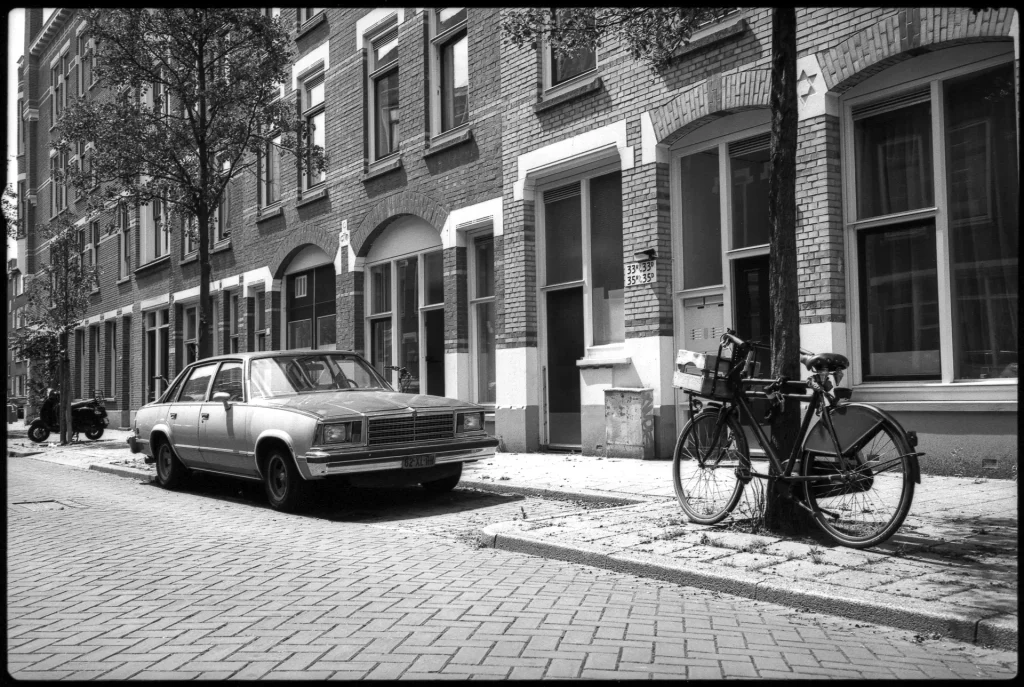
x=470 y=422
x=342 y=432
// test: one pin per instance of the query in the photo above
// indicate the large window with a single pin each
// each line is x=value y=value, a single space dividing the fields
x=270 y=173
x=451 y=69
x=156 y=353
x=233 y=324
x=96 y=361
x=315 y=117
x=221 y=220
x=481 y=312
x=156 y=239
x=191 y=328
x=310 y=304
x=111 y=357
x=261 y=321
x=384 y=93
x=935 y=221
x=123 y=243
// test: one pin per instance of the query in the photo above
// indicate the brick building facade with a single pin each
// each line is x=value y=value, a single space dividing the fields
x=536 y=234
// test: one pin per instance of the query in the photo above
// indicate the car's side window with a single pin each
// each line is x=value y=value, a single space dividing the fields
x=228 y=379
x=194 y=389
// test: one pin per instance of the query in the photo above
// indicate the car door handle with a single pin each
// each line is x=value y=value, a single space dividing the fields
x=206 y=416
x=174 y=415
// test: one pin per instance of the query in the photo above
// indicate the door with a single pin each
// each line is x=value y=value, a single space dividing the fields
x=310 y=308
x=433 y=335
x=223 y=431
x=565 y=346
x=183 y=414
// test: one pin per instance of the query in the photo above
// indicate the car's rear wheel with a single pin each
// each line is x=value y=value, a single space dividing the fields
x=94 y=433
x=445 y=484
x=284 y=485
x=38 y=432
x=170 y=472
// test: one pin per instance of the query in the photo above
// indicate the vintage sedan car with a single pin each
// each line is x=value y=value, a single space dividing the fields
x=290 y=418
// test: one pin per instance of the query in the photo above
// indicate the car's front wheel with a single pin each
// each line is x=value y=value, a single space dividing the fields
x=284 y=485
x=38 y=432
x=170 y=472
x=445 y=484
x=94 y=433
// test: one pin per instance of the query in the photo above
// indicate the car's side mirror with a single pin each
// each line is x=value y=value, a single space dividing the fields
x=222 y=397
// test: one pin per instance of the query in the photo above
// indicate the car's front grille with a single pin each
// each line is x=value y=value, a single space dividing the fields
x=394 y=430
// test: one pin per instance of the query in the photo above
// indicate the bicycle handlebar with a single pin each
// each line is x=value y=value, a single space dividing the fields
x=730 y=337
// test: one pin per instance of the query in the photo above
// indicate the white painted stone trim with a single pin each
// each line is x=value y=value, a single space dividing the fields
x=519 y=372
x=812 y=95
x=320 y=52
x=157 y=301
x=650 y=149
x=371 y=19
x=564 y=155
x=461 y=220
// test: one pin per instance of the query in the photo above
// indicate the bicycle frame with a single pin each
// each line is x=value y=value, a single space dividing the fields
x=778 y=469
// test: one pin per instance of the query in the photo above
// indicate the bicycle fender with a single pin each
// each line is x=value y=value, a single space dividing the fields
x=858 y=420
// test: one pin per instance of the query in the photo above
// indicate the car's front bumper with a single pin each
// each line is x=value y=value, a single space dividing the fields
x=323 y=463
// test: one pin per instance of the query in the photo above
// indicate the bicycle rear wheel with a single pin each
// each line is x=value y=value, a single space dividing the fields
x=864 y=505
x=704 y=475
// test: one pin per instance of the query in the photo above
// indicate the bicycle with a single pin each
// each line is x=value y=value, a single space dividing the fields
x=858 y=466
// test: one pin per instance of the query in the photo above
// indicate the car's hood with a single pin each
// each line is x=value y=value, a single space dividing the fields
x=339 y=403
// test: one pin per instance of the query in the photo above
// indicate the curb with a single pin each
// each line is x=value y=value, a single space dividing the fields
x=976 y=627
x=588 y=496
x=122 y=471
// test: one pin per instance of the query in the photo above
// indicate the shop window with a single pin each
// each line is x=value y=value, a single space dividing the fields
x=233 y=324
x=156 y=353
x=261 y=321
x=96 y=361
x=937 y=257
x=190 y=336
x=383 y=93
x=450 y=57
x=481 y=315
x=82 y=378
x=111 y=358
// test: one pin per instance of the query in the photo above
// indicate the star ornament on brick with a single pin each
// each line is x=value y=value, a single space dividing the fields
x=805 y=85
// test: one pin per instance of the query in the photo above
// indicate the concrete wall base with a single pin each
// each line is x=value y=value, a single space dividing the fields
x=965 y=444
x=518 y=428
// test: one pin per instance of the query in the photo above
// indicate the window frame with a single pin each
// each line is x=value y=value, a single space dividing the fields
x=304 y=15
x=584 y=177
x=110 y=332
x=190 y=343
x=309 y=113
x=439 y=40
x=261 y=318
x=947 y=387
x=375 y=73
x=156 y=324
x=233 y=306
x=123 y=243
x=266 y=180
x=473 y=299
x=548 y=71
x=97 y=355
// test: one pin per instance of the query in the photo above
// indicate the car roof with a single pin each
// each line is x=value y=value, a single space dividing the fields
x=274 y=354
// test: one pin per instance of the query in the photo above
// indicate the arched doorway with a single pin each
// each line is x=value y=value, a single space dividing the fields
x=309 y=303
x=405 y=304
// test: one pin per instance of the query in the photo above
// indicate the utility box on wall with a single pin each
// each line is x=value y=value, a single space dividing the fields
x=629 y=423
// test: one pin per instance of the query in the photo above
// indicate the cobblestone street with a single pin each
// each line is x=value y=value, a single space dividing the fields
x=112 y=578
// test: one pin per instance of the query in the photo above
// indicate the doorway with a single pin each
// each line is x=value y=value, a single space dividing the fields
x=753 y=308
x=564 y=316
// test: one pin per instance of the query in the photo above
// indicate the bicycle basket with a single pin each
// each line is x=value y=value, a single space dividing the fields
x=702 y=374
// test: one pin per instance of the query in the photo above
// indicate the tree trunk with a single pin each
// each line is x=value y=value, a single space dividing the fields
x=64 y=410
x=203 y=321
x=783 y=514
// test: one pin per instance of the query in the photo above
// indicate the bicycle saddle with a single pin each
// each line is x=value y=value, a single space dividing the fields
x=829 y=361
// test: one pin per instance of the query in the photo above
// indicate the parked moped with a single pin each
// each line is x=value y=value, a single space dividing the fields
x=88 y=416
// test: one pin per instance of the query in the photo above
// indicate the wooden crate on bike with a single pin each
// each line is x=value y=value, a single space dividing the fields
x=701 y=373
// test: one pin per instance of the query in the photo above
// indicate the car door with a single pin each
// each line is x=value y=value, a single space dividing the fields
x=183 y=414
x=223 y=428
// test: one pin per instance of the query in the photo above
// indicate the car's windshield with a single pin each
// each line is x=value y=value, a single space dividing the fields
x=311 y=372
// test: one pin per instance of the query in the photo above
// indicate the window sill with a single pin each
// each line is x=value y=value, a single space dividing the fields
x=999 y=395
x=123 y=280
x=268 y=212
x=554 y=98
x=154 y=264
x=448 y=140
x=311 y=196
x=223 y=245
x=729 y=28
x=311 y=24
x=602 y=362
x=382 y=167
x=191 y=257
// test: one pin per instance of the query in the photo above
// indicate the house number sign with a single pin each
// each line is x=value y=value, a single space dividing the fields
x=638 y=273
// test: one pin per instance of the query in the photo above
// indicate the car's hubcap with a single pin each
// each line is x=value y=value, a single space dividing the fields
x=278 y=478
x=164 y=462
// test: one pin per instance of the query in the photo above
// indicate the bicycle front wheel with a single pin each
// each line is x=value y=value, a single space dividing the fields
x=704 y=467
x=869 y=494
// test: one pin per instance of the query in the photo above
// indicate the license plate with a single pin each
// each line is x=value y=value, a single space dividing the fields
x=418 y=461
